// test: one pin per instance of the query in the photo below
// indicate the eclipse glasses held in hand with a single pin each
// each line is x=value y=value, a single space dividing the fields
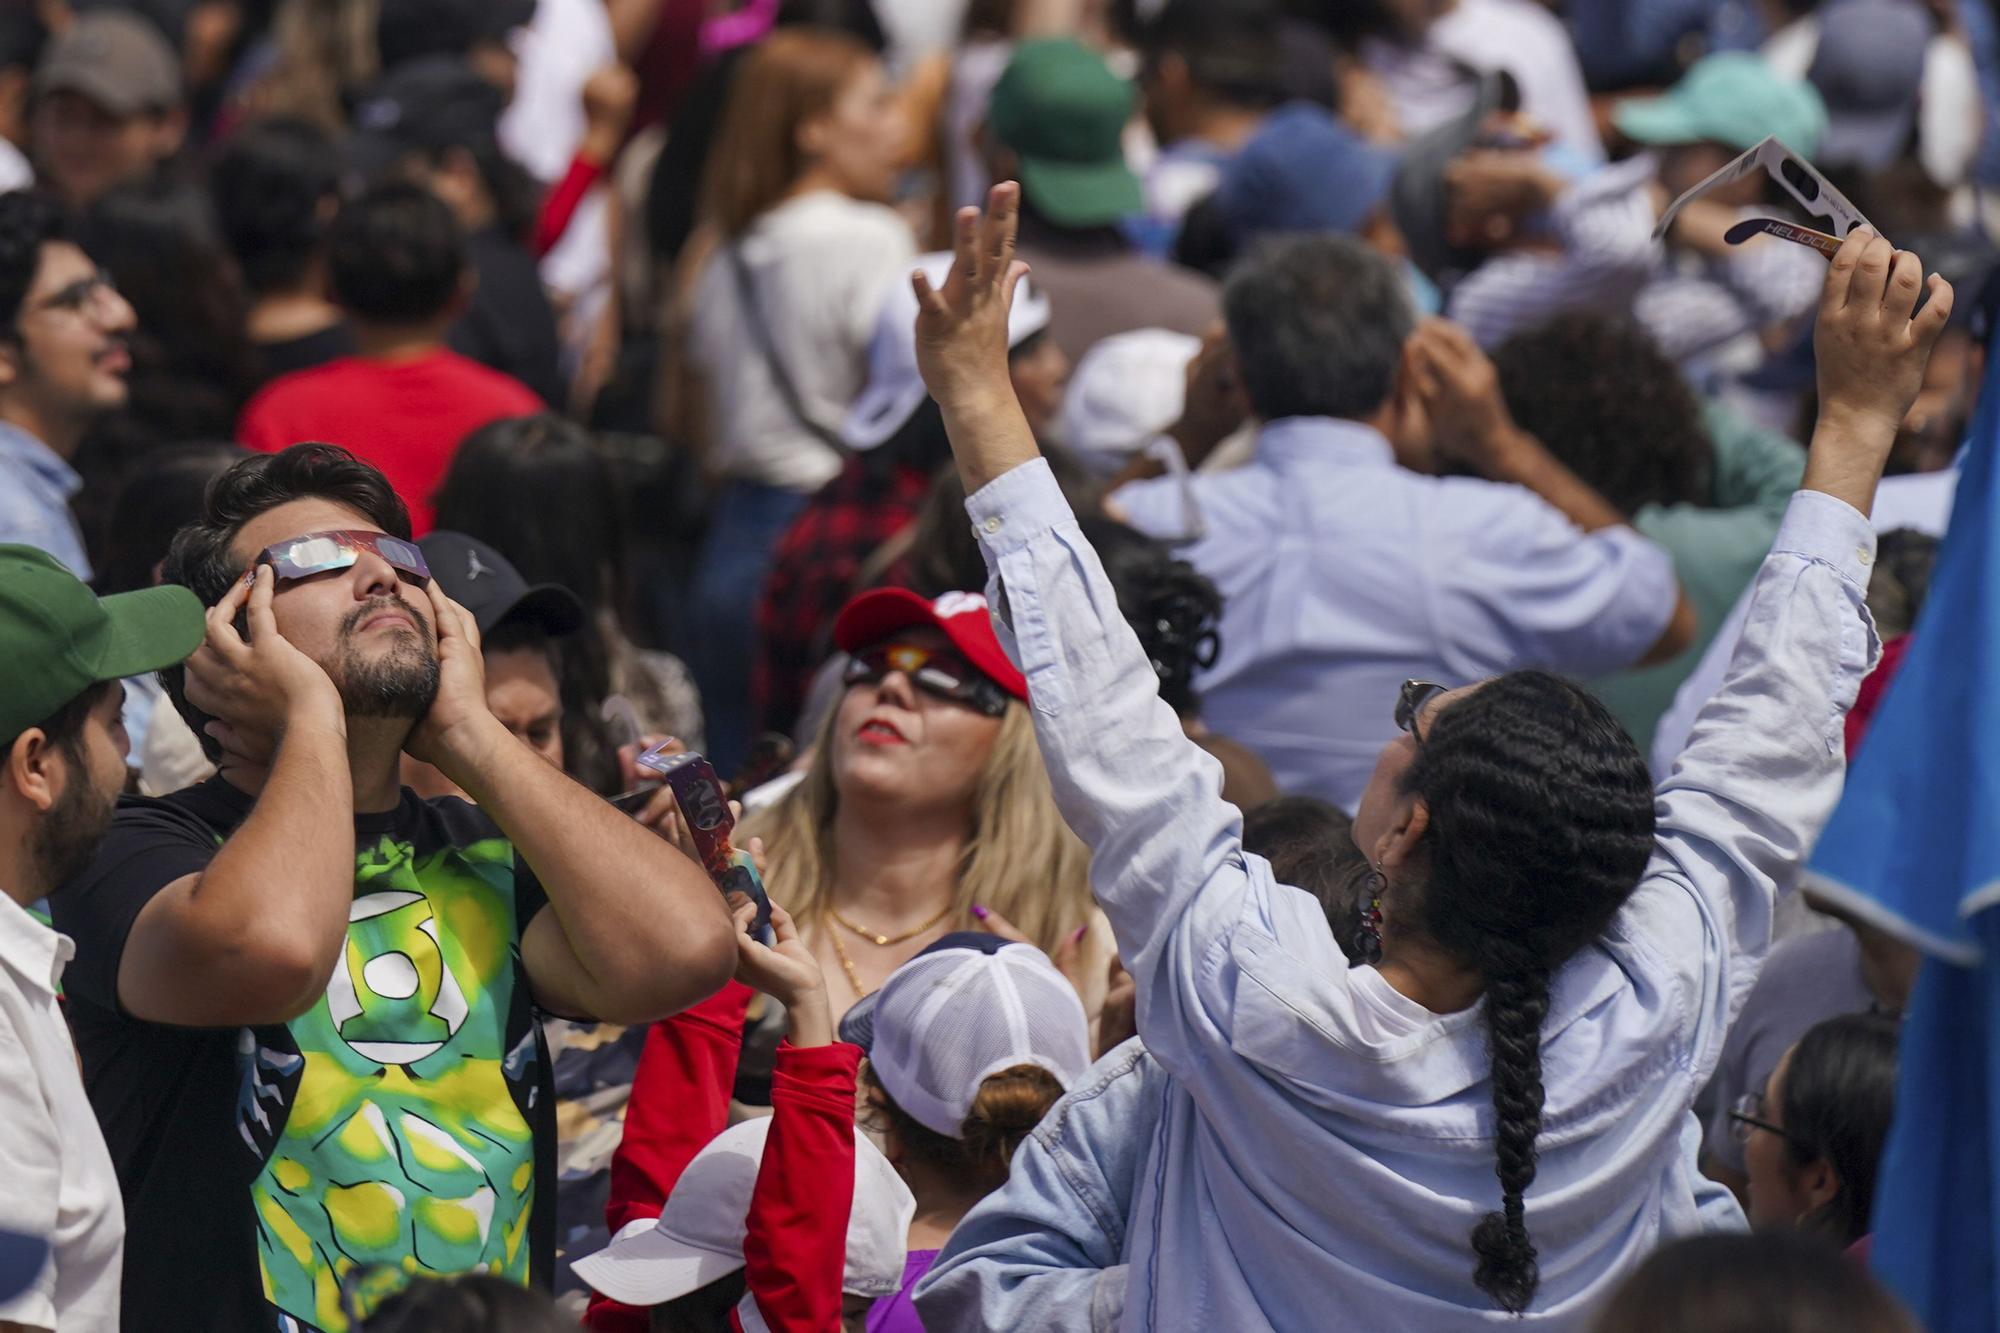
x=705 y=810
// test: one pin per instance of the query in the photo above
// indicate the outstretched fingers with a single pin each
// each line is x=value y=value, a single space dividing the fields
x=1003 y=220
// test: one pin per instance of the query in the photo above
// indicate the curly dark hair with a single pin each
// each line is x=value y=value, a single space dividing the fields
x=199 y=557
x=1170 y=606
x=28 y=221
x=1599 y=393
x=396 y=255
x=1540 y=824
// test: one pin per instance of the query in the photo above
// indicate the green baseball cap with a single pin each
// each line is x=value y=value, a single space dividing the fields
x=1733 y=98
x=58 y=638
x=1063 y=111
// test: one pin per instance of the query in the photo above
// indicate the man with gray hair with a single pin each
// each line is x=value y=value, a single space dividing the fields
x=1393 y=524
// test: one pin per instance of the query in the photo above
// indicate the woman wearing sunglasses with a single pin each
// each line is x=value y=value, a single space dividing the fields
x=1495 y=1116
x=926 y=808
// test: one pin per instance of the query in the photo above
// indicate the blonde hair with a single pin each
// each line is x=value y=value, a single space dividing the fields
x=788 y=79
x=1020 y=859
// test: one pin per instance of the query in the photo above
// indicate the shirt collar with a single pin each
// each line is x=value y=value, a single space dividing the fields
x=31 y=948
x=20 y=447
x=1296 y=441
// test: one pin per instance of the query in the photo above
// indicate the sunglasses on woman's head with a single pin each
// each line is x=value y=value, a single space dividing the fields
x=322 y=552
x=944 y=674
x=1410 y=703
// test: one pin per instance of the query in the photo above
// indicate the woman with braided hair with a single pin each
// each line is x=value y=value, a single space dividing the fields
x=1491 y=1122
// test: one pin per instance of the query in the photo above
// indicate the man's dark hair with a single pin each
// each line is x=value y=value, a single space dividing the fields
x=1773 y=1281
x=270 y=185
x=1318 y=323
x=396 y=255
x=1310 y=845
x=28 y=221
x=1600 y=395
x=22 y=36
x=200 y=559
x=64 y=727
x=1234 y=49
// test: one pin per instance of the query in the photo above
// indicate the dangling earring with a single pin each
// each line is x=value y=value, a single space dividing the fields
x=1368 y=931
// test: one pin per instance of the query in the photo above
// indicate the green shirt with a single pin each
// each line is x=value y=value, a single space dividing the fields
x=1716 y=551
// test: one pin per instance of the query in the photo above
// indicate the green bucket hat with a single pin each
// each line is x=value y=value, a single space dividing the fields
x=1063 y=111
x=57 y=639
x=1733 y=98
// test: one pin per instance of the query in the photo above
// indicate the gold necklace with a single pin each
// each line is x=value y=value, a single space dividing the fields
x=847 y=966
x=885 y=941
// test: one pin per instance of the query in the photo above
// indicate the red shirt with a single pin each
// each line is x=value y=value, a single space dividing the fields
x=405 y=417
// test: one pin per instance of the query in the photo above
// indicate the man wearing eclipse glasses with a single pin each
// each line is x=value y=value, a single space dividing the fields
x=306 y=999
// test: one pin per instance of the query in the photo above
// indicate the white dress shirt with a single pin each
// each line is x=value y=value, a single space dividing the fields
x=58 y=1182
x=1343 y=575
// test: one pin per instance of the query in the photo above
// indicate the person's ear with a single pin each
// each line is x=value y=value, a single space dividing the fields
x=34 y=771
x=1818 y=1184
x=170 y=131
x=10 y=361
x=1402 y=842
x=812 y=136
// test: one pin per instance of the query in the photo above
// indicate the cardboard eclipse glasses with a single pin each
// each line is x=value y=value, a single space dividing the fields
x=322 y=552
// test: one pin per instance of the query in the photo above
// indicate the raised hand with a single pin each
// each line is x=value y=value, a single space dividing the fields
x=962 y=341
x=1871 y=344
x=785 y=970
x=1460 y=393
x=255 y=688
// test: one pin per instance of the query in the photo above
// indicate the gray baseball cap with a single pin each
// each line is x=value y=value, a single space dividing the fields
x=116 y=59
x=1868 y=67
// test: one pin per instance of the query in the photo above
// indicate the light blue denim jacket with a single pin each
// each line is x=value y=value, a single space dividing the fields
x=1046 y=1250
x=1326 y=1145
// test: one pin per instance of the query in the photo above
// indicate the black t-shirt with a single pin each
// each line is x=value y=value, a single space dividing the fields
x=406 y=1118
x=305 y=351
x=509 y=324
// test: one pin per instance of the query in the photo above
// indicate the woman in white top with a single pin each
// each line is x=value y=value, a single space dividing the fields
x=787 y=275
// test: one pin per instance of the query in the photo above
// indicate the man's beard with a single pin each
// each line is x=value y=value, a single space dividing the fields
x=401 y=681
x=62 y=844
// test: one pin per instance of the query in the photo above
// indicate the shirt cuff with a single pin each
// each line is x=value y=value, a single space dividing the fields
x=1016 y=507
x=1819 y=527
x=816 y=1073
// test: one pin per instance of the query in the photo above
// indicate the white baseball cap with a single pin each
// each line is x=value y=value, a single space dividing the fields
x=699 y=1234
x=895 y=389
x=958 y=1013
x=1126 y=390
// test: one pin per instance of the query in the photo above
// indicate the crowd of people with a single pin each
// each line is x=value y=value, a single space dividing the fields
x=1275 y=618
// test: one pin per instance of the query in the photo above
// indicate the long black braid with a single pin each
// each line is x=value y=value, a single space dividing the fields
x=1540 y=822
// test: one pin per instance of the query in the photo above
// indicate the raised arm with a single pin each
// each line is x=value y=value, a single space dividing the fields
x=634 y=930
x=1764 y=767
x=1167 y=865
x=219 y=948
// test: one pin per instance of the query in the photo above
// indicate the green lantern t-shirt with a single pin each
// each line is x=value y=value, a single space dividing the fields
x=405 y=1120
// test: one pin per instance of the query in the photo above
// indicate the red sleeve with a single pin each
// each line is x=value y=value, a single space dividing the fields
x=795 y=1253
x=680 y=1100
x=560 y=204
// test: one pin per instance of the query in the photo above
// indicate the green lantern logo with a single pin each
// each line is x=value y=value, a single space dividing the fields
x=393 y=997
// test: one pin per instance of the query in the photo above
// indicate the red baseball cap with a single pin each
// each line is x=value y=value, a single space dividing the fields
x=961 y=617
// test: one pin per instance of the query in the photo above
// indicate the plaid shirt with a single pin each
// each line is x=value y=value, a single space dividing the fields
x=813 y=574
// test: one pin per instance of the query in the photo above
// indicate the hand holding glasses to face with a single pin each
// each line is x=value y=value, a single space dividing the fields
x=937 y=672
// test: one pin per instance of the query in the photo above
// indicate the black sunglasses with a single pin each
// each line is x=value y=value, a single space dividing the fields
x=1410 y=702
x=944 y=674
